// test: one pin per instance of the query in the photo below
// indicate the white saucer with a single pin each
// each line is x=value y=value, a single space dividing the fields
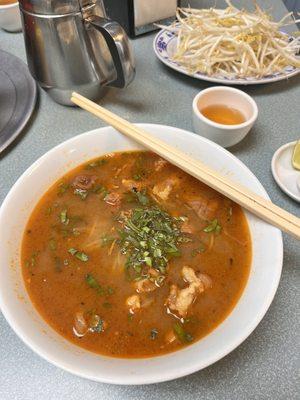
x=286 y=176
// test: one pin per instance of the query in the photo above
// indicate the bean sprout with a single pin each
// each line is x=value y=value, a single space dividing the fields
x=233 y=42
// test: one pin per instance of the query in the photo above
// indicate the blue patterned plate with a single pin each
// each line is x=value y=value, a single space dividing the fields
x=164 y=47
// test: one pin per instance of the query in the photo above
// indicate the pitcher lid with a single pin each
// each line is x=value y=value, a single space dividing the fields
x=54 y=7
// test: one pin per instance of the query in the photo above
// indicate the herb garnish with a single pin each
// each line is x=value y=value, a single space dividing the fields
x=134 y=196
x=82 y=193
x=62 y=188
x=142 y=198
x=31 y=262
x=96 y=163
x=79 y=254
x=64 y=218
x=139 y=170
x=100 y=189
x=96 y=324
x=182 y=335
x=150 y=236
x=213 y=226
x=52 y=244
x=106 y=239
x=198 y=250
x=94 y=284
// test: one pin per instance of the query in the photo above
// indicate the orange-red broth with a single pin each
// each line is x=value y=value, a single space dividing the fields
x=56 y=280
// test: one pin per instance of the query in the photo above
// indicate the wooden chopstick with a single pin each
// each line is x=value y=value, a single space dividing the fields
x=259 y=206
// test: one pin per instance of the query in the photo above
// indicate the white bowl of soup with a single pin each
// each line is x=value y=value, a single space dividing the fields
x=118 y=267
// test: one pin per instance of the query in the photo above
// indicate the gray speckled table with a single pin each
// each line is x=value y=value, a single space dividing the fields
x=267 y=364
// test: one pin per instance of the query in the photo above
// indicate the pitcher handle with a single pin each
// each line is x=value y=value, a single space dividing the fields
x=119 y=47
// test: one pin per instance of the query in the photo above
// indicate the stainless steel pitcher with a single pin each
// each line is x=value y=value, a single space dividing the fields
x=72 y=46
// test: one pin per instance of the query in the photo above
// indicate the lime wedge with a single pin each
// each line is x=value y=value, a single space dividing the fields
x=296 y=156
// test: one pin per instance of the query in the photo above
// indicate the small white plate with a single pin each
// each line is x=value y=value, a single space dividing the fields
x=286 y=176
x=164 y=46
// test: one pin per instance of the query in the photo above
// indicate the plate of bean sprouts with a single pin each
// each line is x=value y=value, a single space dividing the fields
x=230 y=46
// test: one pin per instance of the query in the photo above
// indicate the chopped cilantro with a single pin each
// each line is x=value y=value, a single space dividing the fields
x=150 y=236
x=79 y=254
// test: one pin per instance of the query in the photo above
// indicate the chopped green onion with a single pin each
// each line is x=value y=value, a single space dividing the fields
x=137 y=177
x=91 y=281
x=75 y=232
x=82 y=193
x=142 y=198
x=64 y=218
x=31 y=262
x=198 y=250
x=79 y=254
x=106 y=239
x=94 y=284
x=182 y=335
x=110 y=290
x=213 y=226
x=62 y=188
x=82 y=256
x=96 y=163
x=148 y=261
x=96 y=324
x=52 y=244
x=72 y=251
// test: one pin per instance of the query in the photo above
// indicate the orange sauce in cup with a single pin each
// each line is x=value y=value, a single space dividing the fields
x=223 y=114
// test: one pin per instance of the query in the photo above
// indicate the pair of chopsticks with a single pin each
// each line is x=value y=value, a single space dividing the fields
x=257 y=205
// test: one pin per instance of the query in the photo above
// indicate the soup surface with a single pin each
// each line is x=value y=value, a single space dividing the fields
x=129 y=256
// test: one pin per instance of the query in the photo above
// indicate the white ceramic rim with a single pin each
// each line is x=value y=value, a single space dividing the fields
x=275 y=175
x=6 y=6
x=224 y=81
x=196 y=366
x=249 y=122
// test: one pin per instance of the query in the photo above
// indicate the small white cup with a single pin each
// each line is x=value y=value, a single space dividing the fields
x=224 y=135
x=10 y=19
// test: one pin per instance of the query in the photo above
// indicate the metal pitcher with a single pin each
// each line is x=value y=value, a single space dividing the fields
x=72 y=46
